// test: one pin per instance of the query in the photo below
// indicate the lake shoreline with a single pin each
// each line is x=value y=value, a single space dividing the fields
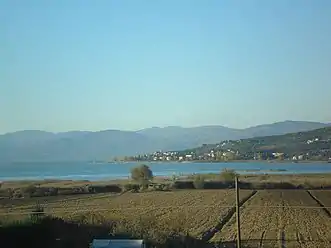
x=109 y=172
x=162 y=179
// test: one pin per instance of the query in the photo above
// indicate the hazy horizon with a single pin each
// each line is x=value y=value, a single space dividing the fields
x=133 y=65
x=137 y=130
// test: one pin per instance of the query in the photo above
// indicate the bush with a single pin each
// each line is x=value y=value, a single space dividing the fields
x=29 y=191
x=199 y=182
x=53 y=191
x=182 y=185
x=131 y=187
x=142 y=174
x=16 y=194
x=161 y=187
x=109 y=188
x=228 y=175
x=40 y=192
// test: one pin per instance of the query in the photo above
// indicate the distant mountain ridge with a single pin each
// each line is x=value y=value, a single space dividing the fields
x=35 y=145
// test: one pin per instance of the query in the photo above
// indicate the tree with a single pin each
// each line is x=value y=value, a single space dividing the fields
x=142 y=174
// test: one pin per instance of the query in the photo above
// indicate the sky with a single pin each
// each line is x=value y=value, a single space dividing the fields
x=95 y=65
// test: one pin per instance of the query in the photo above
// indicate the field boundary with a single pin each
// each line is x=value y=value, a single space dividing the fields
x=209 y=234
x=328 y=213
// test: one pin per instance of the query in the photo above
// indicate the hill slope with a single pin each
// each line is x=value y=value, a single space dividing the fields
x=34 y=145
x=314 y=144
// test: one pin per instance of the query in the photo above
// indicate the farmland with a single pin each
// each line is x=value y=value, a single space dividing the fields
x=194 y=210
x=269 y=218
x=287 y=218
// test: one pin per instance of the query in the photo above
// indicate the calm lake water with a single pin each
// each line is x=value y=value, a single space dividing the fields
x=88 y=171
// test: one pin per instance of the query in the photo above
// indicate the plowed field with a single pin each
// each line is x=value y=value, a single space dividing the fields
x=269 y=218
x=194 y=211
x=275 y=218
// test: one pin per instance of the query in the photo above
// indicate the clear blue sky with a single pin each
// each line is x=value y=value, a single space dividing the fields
x=91 y=65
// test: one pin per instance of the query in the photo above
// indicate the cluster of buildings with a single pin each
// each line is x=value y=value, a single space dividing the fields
x=188 y=156
x=168 y=156
x=233 y=150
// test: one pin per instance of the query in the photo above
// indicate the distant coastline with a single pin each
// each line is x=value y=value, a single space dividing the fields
x=121 y=170
x=217 y=162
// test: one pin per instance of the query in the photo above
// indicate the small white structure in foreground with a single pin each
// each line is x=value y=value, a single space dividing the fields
x=117 y=243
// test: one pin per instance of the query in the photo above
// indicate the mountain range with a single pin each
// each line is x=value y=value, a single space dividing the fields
x=35 y=145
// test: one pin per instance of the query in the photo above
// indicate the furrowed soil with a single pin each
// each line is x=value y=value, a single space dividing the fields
x=193 y=211
x=269 y=218
x=260 y=223
x=281 y=218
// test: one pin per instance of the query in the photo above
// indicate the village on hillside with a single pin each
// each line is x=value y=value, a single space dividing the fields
x=304 y=146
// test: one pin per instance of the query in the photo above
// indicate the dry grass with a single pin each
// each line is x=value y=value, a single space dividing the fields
x=71 y=183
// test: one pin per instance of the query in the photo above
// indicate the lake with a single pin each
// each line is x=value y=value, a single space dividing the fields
x=104 y=171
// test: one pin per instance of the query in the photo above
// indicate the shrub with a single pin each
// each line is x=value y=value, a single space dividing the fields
x=109 y=188
x=16 y=193
x=131 y=187
x=182 y=185
x=29 y=191
x=228 y=175
x=142 y=174
x=199 y=182
x=174 y=177
x=165 y=187
x=161 y=187
x=53 y=191
x=40 y=192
